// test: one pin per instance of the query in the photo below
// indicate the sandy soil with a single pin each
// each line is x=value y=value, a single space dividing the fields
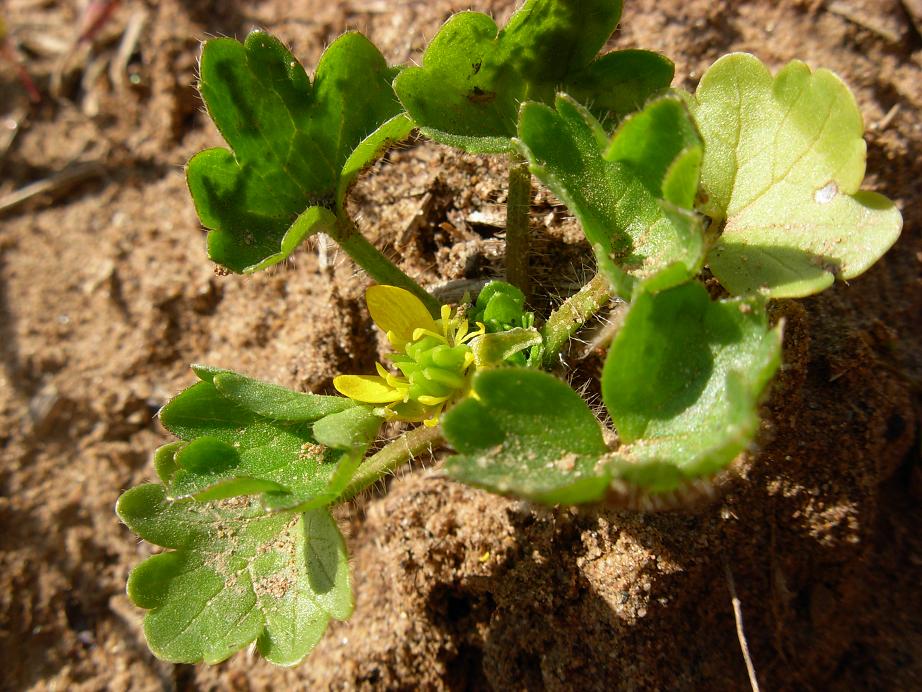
x=106 y=296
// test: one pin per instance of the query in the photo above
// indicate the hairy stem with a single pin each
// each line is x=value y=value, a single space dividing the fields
x=518 y=223
x=571 y=315
x=392 y=456
x=373 y=261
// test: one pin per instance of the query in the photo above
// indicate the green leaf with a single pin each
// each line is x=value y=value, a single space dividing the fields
x=625 y=191
x=201 y=410
x=296 y=146
x=271 y=400
x=784 y=161
x=474 y=76
x=526 y=433
x=682 y=382
x=235 y=575
x=233 y=450
x=662 y=148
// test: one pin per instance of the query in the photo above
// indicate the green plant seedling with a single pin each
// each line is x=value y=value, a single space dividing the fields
x=756 y=177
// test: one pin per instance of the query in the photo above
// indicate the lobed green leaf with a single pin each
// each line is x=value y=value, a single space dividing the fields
x=784 y=161
x=627 y=191
x=294 y=449
x=295 y=146
x=682 y=381
x=474 y=75
x=235 y=575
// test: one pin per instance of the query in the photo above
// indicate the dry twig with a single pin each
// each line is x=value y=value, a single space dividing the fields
x=54 y=185
x=859 y=18
x=118 y=68
x=740 y=632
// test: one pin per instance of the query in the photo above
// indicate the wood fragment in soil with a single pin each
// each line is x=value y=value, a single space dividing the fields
x=740 y=632
x=884 y=122
x=54 y=186
x=861 y=19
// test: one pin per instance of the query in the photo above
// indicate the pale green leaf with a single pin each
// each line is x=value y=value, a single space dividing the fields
x=784 y=160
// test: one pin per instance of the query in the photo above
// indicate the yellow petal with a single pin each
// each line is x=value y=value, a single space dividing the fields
x=366 y=388
x=398 y=313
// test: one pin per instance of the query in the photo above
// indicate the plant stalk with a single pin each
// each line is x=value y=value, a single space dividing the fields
x=518 y=223
x=380 y=268
x=391 y=457
x=571 y=315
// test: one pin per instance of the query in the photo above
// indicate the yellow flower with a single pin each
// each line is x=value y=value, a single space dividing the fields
x=432 y=355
